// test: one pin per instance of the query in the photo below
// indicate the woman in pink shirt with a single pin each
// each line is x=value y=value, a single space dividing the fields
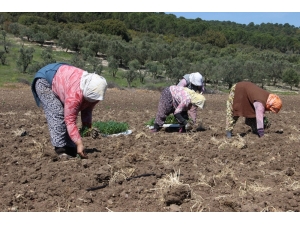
x=63 y=91
x=177 y=100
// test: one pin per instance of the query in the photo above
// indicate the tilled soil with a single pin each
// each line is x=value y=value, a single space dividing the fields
x=149 y=172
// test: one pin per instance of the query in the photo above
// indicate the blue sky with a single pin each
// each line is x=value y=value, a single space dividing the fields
x=244 y=12
x=292 y=18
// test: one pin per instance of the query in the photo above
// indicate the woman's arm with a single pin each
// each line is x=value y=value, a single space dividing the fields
x=259 y=112
x=86 y=115
x=182 y=83
x=71 y=110
x=193 y=113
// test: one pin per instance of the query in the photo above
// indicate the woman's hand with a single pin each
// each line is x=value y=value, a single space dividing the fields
x=80 y=149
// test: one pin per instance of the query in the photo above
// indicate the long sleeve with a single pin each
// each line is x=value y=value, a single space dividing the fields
x=86 y=115
x=193 y=113
x=182 y=106
x=182 y=83
x=181 y=100
x=259 y=112
x=66 y=84
x=202 y=88
x=71 y=111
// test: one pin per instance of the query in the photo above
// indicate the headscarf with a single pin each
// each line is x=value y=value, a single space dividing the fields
x=196 y=98
x=93 y=86
x=196 y=79
x=274 y=103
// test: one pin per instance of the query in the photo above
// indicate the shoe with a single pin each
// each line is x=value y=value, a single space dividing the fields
x=72 y=151
x=153 y=130
x=228 y=134
x=60 y=150
x=64 y=157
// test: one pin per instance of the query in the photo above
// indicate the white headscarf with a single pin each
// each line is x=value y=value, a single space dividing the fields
x=196 y=79
x=93 y=86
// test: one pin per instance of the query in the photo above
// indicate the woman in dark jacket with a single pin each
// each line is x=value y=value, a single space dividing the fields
x=250 y=101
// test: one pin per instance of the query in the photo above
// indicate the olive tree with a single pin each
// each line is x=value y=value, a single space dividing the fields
x=130 y=75
x=25 y=58
x=232 y=71
x=154 y=68
x=136 y=66
x=291 y=78
x=113 y=66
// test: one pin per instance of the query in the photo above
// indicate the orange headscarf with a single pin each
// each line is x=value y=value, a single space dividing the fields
x=274 y=103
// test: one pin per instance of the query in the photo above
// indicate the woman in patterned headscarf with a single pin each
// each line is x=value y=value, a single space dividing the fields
x=177 y=100
x=250 y=101
x=63 y=91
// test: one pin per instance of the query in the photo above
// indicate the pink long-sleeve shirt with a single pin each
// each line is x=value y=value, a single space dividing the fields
x=259 y=112
x=66 y=85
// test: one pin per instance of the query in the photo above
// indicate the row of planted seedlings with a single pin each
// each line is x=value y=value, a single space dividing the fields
x=105 y=128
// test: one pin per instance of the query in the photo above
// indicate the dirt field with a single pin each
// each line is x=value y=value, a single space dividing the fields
x=149 y=172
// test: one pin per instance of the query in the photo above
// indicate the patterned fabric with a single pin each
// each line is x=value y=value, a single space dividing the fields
x=54 y=111
x=230 y=119
x=181 y=100
x=165 y=107
x=196 y=98
x=66 y=85
x=193 y=110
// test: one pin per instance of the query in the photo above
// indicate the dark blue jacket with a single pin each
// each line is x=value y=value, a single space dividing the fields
x=47 y=72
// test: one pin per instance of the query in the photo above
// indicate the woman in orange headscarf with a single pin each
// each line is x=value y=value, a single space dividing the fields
x=250 y=101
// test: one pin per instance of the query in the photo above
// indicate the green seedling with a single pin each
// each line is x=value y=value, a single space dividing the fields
x=110 y=127
x=84 y=131
x=150 y=122
x=169 y=120
x=106 y=128
x=267 y=123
